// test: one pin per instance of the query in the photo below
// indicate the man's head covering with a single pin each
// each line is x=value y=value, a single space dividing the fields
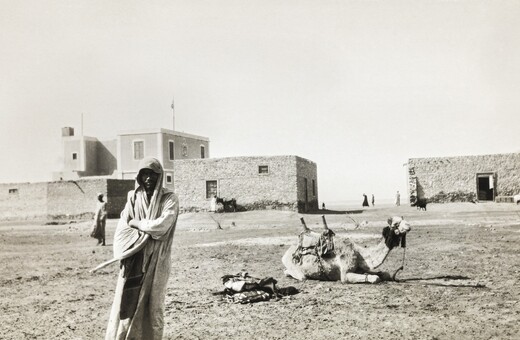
x=152 y=164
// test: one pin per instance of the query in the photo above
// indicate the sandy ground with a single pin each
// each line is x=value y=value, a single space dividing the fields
x=461 y=278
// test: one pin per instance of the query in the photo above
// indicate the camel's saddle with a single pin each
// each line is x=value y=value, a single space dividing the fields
x=314 y=243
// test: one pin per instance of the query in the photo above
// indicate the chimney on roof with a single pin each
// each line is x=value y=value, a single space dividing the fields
x=67 y=132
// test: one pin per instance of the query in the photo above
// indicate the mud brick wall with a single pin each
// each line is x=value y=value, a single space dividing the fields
x=62 y=199
x=453 y=179
x=77 y=199
x=25 y=201
x=74 y=199
x=239 y=178
x=117 y=193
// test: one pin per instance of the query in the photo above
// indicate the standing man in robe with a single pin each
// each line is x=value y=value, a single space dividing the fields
x=213 y=204
x=100 y=219
x=142 y=243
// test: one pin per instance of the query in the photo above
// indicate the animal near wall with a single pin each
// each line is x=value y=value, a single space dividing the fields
x=463 y=179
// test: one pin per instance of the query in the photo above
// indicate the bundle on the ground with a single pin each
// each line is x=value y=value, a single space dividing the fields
x=243 y=288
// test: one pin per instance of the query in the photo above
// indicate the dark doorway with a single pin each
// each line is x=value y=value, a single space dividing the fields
x=486 y=187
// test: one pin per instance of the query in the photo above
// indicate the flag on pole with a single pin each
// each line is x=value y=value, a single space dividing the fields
x=172 y=103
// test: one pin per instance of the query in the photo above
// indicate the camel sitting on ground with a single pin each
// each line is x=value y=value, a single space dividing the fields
x=321 y=256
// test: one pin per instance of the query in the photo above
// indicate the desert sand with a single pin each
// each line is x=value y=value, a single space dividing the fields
x=460 y=278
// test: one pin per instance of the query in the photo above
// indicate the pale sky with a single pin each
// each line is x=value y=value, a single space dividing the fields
x=358 y=87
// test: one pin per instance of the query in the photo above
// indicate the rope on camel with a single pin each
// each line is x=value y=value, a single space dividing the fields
x=402 y=265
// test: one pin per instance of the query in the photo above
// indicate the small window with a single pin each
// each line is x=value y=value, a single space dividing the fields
x=13 y=191
x=171 y=149
x=202 y=152
x=138 y=149
x=263 y=169
x=74 y=155
x=313 y=188
x=211 y=189
x=169 y=179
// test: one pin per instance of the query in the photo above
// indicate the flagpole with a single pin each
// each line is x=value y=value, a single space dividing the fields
x=173 y=114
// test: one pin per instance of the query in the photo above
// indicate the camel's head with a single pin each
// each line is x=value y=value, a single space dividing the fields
x=398 y=225
x=395 y=233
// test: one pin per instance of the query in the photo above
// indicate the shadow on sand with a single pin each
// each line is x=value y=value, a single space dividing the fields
x=446 y=278
x=334 y=212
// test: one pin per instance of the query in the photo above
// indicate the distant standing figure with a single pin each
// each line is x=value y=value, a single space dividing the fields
x=398 y=199
x=373 y=200
x=213 y=204
x=323 y=206
x=100 y=219
x=365 y=200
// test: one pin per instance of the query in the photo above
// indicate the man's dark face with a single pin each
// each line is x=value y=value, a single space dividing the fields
x=148 y=178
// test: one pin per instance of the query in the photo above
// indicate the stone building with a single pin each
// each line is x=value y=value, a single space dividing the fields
x=275 y=182
x=466 y=178
x=91 y=166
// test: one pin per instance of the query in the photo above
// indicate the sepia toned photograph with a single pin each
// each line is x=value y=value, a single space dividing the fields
x=246 y=169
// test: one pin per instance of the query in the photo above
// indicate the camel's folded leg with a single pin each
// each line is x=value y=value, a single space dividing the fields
x=384 y=276
x=298 y=275
x=361 y=278
x=292 y=269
